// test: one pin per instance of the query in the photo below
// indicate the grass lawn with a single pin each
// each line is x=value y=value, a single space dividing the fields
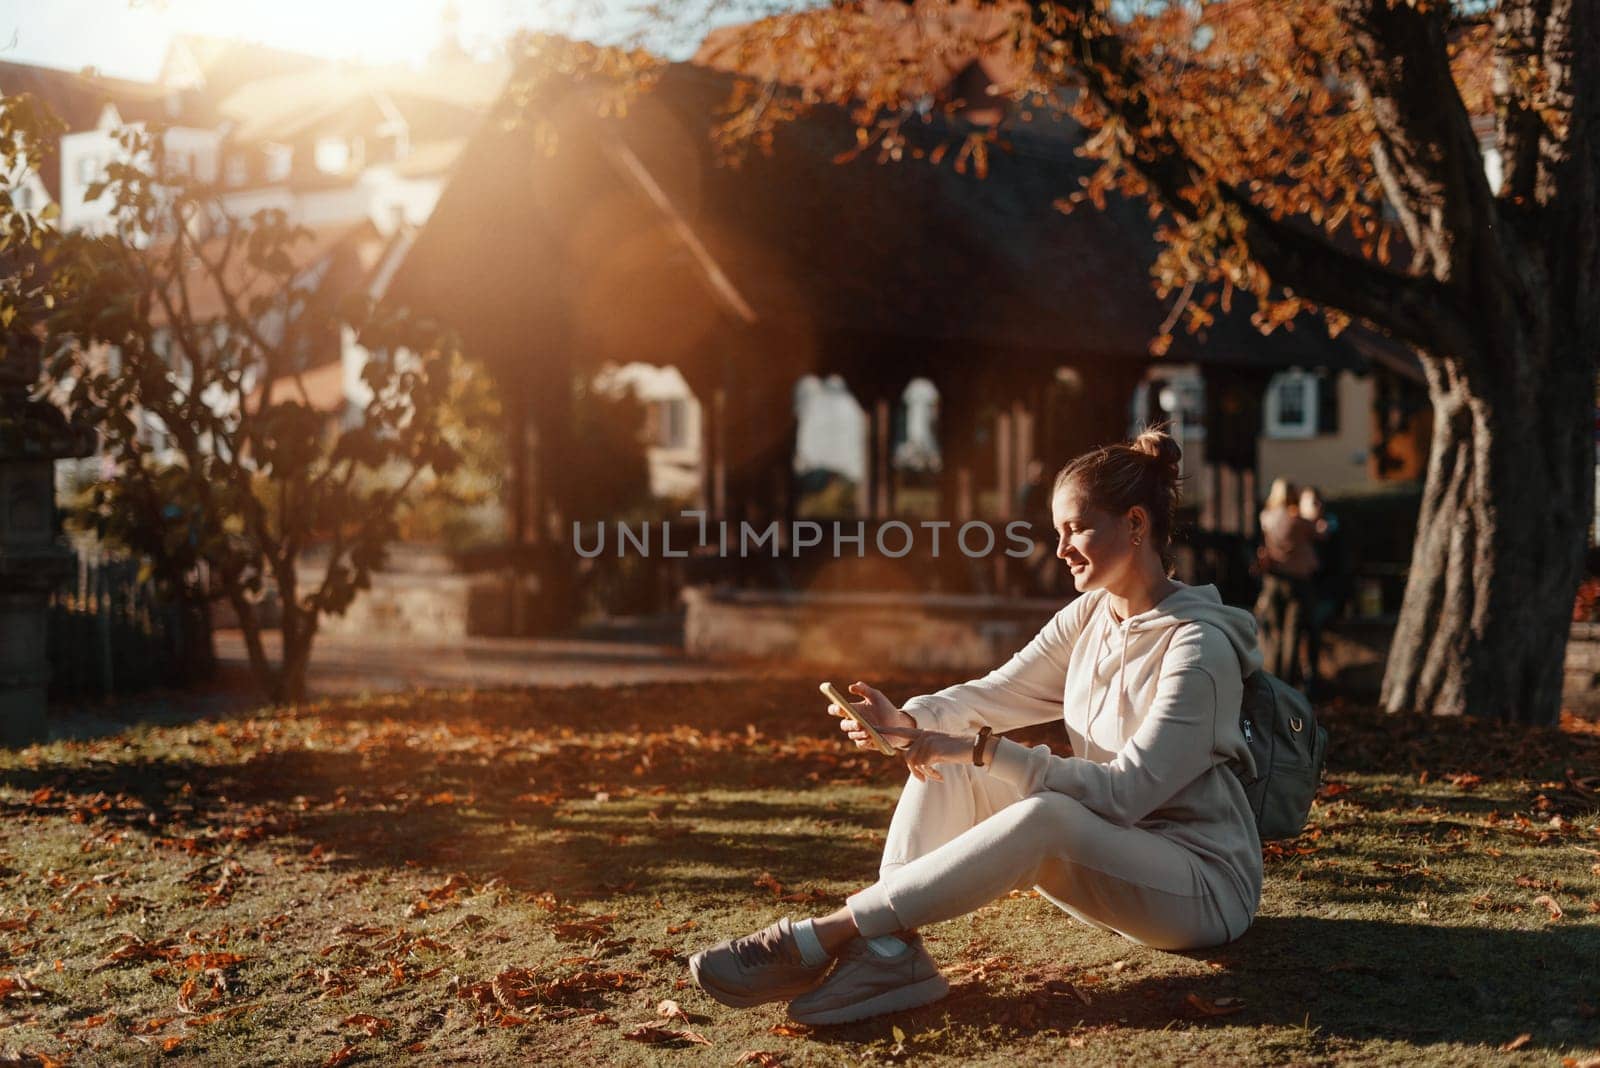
x=518 y=877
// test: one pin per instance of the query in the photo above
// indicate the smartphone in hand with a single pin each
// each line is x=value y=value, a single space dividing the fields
x=848 y=710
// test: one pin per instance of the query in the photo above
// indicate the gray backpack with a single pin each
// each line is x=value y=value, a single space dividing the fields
x=1288 y=747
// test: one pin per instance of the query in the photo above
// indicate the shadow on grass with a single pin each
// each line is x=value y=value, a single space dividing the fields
x=486 y=821
x=537 y=762
x=1341 y=979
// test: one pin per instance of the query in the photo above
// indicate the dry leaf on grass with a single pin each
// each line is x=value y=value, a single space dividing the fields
x=33 y=1059
x=341 y=1055
x=150 y=1027
x=372 y=1025
x=19 y=988
x=1218 y=1007
x=222 y=1014
x=1516 y=1043
x=591 y=928
x=652 y=1035
x=761 y=1058
x=205 y=962
x=134 y=948
x=1062 y=986
x=186 y=994
x=1550 y=905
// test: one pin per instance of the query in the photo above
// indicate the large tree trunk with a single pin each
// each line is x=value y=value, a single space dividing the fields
x=1500 y=540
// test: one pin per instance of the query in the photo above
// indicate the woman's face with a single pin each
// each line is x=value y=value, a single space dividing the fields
x=1095 y=545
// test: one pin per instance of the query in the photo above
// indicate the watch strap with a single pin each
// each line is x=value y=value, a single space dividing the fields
x=977 y=746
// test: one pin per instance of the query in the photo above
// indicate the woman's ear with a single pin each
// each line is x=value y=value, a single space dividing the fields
x=1138 y=524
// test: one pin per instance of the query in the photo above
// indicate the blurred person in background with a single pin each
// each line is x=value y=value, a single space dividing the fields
x=1288 y=559
x=1329 y=582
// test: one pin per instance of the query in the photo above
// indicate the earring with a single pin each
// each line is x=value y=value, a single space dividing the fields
x=1137 y=541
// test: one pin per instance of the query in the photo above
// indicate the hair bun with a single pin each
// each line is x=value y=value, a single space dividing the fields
x=1163 y=449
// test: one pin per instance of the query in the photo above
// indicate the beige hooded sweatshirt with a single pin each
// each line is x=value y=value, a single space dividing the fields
x=1151 y=706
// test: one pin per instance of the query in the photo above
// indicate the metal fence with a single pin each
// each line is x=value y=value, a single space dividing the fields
x=113 y=633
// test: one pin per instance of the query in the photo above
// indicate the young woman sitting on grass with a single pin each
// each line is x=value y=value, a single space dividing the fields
x=1144 y=831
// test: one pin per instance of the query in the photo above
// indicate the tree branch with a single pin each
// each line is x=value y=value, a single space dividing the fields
x=1416 y=309
x=1519 y=30
x=1399 y=68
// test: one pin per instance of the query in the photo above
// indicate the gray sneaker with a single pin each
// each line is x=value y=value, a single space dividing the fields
x=864 y=984
x=757 y=968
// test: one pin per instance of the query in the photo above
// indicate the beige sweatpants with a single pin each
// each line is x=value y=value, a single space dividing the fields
x=956 y=845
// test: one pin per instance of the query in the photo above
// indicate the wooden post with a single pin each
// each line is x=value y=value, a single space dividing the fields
x=867 y=491
x=955 y=447
x=1005 y=464
x=1026 y=415
x=1247 y=501
x=883 y=459
x=713 y=455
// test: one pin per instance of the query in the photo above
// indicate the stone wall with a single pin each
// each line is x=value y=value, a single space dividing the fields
x=934 y=631
x=974 y=633
x=1582 y=690
x=428 y=605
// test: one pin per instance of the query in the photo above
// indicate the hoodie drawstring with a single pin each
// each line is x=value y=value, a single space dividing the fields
x=1127 y=628
x=1094 y=676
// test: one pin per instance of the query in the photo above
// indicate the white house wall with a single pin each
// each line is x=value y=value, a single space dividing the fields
x=832 y=428
x=28 y=192
x=1331 y=462
x=674 y=471
x=85 y=156
x=379 y=195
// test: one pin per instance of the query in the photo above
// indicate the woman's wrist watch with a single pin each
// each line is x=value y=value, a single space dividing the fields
x=977 y=746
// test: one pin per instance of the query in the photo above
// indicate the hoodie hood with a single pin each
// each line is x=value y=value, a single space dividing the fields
x=1136 y=642
x=1203 y=604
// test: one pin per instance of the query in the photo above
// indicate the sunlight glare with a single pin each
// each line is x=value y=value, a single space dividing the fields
x=374 y=31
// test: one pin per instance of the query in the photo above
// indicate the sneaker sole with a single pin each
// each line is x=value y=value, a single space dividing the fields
x=899 y=999
x=728 y=997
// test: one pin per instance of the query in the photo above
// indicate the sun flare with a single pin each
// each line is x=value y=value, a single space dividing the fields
x=373 y=31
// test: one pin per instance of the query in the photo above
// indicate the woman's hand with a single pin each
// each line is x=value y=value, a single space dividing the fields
x=924 y=749
x=876 y=709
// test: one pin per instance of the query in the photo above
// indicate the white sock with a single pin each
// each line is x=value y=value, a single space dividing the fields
x=811 y=952
x=886 y=945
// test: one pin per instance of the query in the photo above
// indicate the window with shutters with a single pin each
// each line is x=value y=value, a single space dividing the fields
x=1292 y=405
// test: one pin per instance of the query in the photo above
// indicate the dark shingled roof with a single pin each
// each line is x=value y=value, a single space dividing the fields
x=79 y=98
x=630 y=239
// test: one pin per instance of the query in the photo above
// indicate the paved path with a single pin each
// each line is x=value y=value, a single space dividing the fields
x=345 y=665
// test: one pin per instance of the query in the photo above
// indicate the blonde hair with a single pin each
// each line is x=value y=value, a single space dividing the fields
x=1142 y=472
x=1281 y=493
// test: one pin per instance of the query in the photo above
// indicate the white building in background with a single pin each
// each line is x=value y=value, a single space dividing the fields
x=672 y=426
x=356 y=154
x=832 y=428
x=919 y=449
x=191 y=151
x=27 y=190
